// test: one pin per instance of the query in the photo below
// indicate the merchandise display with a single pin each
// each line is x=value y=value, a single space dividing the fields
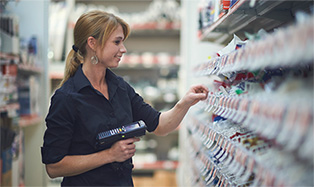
x=289 y=46
x=256 y=126
x=20 y=70
x=211 y=10
x=245 y=16
x=149 y=59
x=160 y=15
x=8 y=73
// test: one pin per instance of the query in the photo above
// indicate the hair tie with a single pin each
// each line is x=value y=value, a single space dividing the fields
x=74 y=48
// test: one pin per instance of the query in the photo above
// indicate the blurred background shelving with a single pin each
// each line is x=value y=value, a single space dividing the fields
x=23 y=91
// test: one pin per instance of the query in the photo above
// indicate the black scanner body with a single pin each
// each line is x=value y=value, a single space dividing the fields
x=106 y=139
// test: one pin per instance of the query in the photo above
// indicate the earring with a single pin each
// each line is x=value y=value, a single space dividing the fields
x=94 y=59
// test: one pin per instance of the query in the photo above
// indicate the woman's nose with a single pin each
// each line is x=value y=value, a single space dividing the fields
x=123 y=49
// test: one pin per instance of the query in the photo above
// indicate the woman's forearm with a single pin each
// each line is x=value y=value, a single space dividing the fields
x=78 y=164
x=171 y=119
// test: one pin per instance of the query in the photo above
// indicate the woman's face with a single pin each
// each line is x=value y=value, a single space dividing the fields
x=113 y=50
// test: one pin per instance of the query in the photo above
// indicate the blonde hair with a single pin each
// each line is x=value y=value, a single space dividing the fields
x=98 y=24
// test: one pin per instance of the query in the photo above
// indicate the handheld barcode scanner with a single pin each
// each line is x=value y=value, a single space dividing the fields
x=107 y=138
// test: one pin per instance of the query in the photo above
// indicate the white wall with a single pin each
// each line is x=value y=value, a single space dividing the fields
x=33 y=19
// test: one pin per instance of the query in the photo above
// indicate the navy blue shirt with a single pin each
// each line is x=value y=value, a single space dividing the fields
x=78 y=112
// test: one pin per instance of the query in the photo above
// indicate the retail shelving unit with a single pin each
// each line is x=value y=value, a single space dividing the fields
x=17 y=109
x=14 y=120
x=251 y=16
x=256 y=126
x=24 y=98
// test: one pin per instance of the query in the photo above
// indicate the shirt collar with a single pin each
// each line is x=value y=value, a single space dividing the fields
x=81 y=81
x=112 y=77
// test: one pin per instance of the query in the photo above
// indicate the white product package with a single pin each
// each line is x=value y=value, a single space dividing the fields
x=232 y=45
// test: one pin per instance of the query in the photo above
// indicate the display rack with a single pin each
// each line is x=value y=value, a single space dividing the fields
x=170 y=32
x=256 y=126
x=287 y=47
x=24 y=52
x=251 y=16
x=18 y=98
x=11 y=118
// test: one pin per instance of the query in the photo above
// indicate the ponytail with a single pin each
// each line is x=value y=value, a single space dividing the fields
x=73 y=61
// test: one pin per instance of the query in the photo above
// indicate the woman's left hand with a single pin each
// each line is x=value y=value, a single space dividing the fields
x=195 y=94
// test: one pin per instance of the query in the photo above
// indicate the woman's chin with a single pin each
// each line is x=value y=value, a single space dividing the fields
x=114 y=66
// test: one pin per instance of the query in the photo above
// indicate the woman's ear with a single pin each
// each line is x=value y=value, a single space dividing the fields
x=92 y=42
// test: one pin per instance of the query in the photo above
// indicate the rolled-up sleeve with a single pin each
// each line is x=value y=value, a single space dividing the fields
x=59 y=122
x=143 y=111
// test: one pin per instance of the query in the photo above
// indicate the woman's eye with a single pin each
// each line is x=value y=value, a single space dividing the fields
x=117 y=42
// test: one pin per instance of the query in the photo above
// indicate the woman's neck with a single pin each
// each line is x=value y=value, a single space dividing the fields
x=96 y=74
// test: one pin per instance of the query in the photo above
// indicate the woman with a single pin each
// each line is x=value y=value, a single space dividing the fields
x=93 y=99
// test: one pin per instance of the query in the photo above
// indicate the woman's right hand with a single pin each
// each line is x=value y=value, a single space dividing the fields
x=123 y=149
